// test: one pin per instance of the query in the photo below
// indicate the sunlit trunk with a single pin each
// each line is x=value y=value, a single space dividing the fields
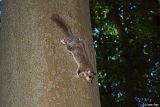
x=35 y=68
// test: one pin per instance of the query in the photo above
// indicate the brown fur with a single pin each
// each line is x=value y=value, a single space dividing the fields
x=76 y=47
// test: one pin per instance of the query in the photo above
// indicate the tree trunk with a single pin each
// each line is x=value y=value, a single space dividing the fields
x=36 y=70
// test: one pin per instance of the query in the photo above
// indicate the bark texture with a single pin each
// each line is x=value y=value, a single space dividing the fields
x=35 y=68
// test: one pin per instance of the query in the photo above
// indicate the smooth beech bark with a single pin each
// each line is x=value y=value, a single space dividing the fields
x=35 y=68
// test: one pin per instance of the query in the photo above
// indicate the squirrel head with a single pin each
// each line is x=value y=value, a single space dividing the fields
x=89 y=75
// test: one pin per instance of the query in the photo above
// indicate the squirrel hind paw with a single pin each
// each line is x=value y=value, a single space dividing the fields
x=62 y=41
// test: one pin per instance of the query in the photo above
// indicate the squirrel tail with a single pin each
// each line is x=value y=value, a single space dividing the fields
x=61 y=23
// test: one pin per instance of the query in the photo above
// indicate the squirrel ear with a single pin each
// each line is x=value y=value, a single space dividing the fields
x=94 y=73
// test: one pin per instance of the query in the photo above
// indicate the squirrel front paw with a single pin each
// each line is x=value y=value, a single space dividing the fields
x=76 y=76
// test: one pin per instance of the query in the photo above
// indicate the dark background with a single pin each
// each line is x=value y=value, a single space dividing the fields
x=126 y=37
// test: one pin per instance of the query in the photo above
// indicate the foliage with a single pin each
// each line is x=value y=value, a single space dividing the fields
x=126 y=38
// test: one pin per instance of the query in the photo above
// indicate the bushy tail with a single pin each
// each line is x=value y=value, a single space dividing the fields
x=61 y=23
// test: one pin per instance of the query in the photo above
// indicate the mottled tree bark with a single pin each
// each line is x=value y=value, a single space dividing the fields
x=35 y=68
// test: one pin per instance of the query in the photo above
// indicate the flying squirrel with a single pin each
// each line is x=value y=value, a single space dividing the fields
x=77 y=48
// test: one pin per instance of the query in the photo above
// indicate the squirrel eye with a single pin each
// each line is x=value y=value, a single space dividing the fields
x=90 y=76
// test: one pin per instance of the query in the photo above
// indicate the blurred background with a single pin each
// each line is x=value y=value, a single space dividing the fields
x=126 y=37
